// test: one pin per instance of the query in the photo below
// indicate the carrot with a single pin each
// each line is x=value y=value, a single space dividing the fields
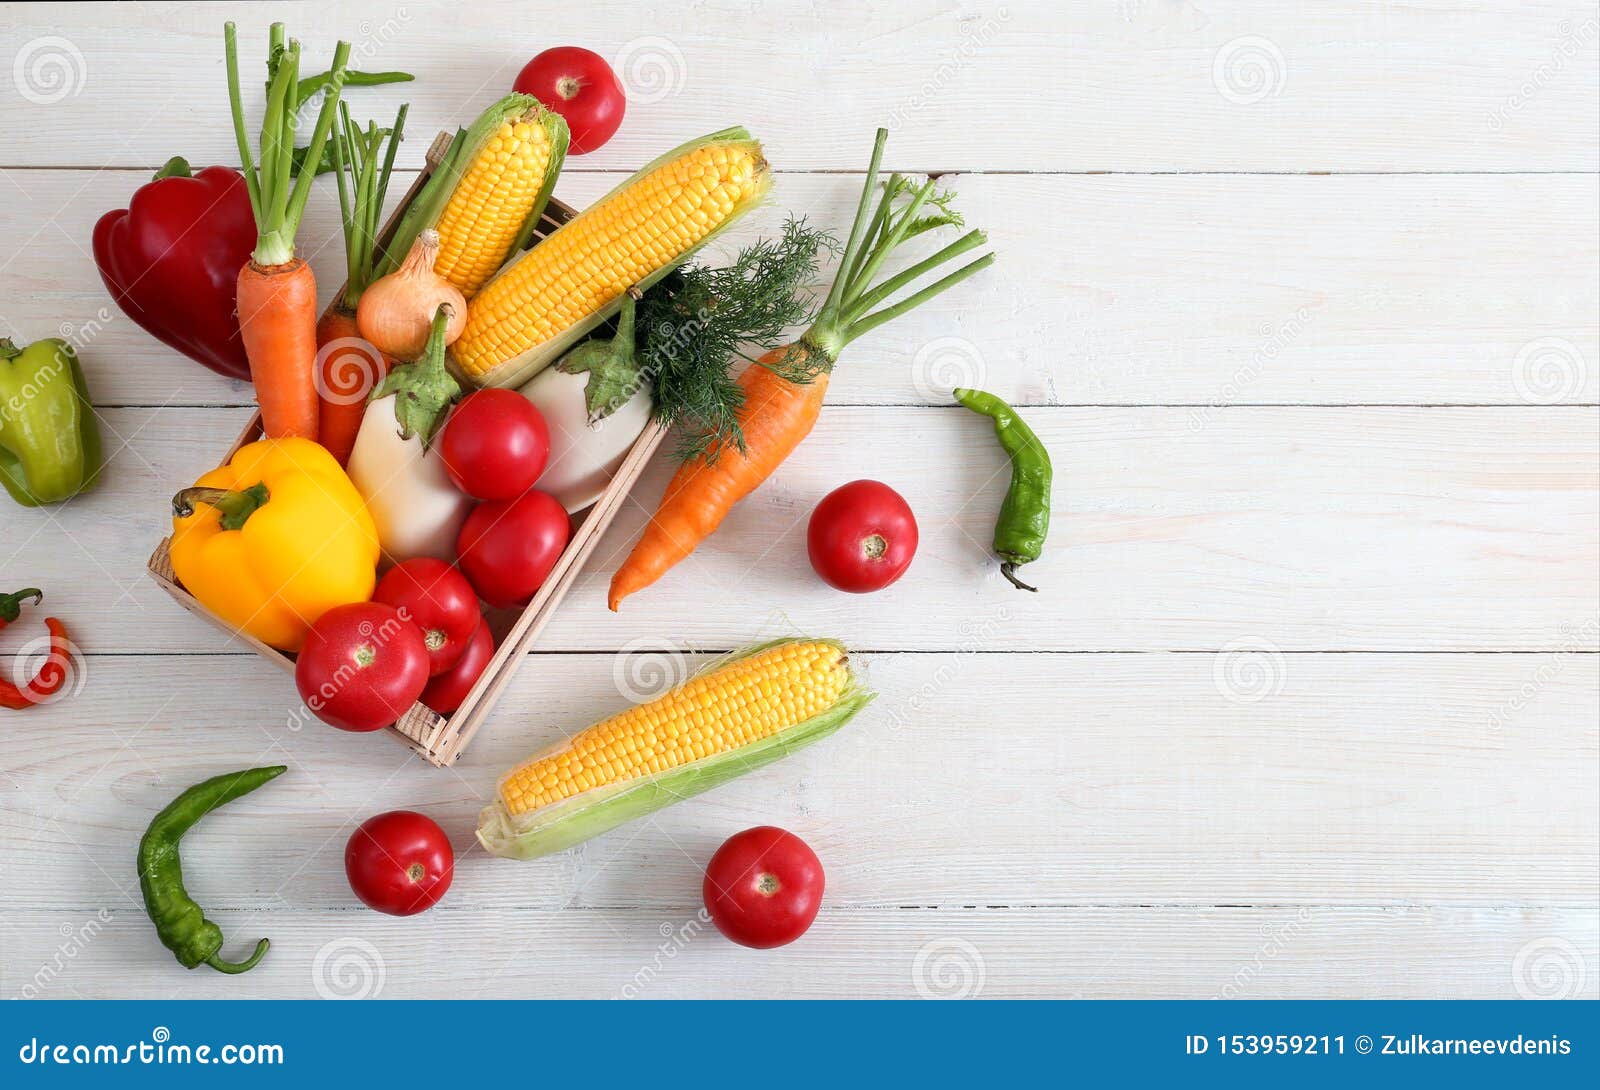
x=277 y=293
x=348 y=369
x=277 y=320
x=775 y=416
x=783 y=390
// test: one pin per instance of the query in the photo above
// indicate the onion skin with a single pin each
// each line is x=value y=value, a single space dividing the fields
x=396 y=311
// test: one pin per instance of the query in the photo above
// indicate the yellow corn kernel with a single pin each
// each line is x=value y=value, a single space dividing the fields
x=480 y=224
x=648 y=225
x=794 y=680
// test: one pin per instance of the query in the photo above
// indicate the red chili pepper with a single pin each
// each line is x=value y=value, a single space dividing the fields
x=171 y=261
x=57 y=667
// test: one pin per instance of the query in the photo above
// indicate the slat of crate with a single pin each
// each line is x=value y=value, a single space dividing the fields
x=1312 y=529
x=1422 y=289
x=1142 y=85
x=1033 y=779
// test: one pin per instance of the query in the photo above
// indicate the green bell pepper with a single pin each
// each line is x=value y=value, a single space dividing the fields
x=49 y=441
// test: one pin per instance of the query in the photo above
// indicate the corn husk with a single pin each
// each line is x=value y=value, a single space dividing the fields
x=561 y=825
x=425 y=209
x=522 y=367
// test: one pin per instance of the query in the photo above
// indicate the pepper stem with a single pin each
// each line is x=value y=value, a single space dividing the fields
x=233 y=968
x=236 y=506
x=423 y=389
x=1009 y=570
x=176 y=167
x=8 y=351
x=11 y=604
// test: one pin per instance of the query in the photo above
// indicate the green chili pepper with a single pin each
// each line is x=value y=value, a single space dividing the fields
x=1024 y=520
x=182 y=927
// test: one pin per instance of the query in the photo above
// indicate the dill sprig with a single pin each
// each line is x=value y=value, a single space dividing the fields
x=695 y=322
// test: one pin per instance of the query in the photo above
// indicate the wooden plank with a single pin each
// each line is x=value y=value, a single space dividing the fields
x=1087 y=953
x=1031 y=779
x=1310 y=529
x=1257 y=85
x=1203 y=291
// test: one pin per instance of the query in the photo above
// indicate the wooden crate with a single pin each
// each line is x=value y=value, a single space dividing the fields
x=440 y=738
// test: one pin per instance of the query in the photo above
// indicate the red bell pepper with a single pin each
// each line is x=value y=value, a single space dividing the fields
x=171 y=261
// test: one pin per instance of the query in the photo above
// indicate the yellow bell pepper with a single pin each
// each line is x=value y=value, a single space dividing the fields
x=275 y=538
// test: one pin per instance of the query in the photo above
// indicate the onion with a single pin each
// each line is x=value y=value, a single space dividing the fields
x=396 y=311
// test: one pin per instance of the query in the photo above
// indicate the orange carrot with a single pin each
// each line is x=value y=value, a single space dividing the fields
x=277 y=294
x=278 y=323
x=778 y=412
x=348 y=369
x=775 y=416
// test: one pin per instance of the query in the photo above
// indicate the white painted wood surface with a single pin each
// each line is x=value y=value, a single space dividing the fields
x=1308 y=706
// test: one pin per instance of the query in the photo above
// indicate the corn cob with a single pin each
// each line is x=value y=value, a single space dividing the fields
x=488 y=193
x=738 y=715
x=543 y=302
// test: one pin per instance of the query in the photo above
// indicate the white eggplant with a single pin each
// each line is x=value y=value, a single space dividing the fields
x=597 y=403
x=584 y=456
x=416 y=508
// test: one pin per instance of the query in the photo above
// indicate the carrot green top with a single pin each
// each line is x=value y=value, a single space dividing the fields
x=277 y=196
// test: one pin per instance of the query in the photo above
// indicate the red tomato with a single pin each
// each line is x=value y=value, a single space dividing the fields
x=362 y=666
x=445 y=693
x=495 y=444
x=763 y=887
x=862 y=537
x=399 y=862
x=579 y=85
x=507 y=548
x=437 y=599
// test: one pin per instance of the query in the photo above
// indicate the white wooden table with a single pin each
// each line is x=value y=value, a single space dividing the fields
x=1303 y=300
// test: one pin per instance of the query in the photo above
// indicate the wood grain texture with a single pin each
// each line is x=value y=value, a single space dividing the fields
x=1085 y=953
x=973 y=779
x=1205 y=291
x=1310 y=529
x=1307 y=707
x=1143 y=85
